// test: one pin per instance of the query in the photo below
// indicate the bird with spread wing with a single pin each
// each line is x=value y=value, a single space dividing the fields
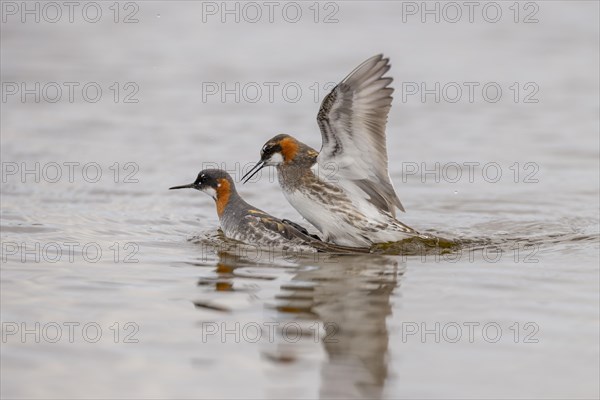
x=344 y=190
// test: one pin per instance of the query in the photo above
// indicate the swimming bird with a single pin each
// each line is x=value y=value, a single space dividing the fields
x=245 y=223
x=344 y=190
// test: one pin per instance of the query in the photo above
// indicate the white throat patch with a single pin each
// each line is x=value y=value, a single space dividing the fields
x=275 y=159
x=211 y=192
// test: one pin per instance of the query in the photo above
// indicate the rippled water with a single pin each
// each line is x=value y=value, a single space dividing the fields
x=513 y=311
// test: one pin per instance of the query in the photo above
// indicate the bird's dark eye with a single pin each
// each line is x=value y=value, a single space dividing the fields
x=268 y=149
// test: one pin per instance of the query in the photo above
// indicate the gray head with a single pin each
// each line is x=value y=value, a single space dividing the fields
x=216 y=183
x=283 y=149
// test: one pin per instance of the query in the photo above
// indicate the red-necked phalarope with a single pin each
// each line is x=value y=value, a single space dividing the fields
x=356 y=204
x=240 y=221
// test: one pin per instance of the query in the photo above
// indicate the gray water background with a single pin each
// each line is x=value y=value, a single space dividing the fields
x=546 y=231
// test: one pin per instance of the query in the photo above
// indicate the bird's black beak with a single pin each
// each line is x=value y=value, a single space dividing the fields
x=190 y=186
x=259 y=165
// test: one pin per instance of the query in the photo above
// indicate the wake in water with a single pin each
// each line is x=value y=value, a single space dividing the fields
x=532 y=238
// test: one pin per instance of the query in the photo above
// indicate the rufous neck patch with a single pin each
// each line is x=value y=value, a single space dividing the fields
x=289 y=149
x=223 y=193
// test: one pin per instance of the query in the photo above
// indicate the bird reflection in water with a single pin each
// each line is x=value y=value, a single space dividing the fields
x=340 y=304
x=352 y=300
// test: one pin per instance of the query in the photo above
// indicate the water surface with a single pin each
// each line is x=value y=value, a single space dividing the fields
x=512 y=313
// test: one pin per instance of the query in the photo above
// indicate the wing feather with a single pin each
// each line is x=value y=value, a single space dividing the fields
x=274 y=228
x=352 y=119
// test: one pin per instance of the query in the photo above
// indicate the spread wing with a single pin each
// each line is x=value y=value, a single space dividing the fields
x=352 y=120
